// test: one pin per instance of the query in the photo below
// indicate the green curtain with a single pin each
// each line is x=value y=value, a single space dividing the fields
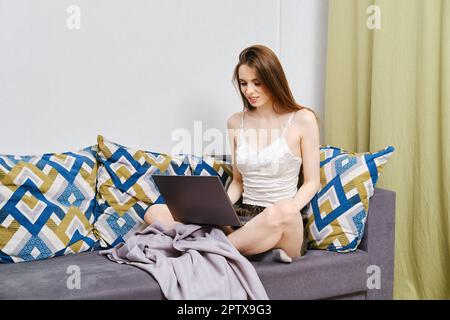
x=391 y=86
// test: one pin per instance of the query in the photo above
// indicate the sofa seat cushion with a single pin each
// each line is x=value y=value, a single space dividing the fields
x=318 y=274
x=53 y=278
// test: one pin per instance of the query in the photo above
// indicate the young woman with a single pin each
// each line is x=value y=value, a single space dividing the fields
x=271 y=139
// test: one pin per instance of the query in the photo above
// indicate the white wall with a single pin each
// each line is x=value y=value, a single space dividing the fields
x=138 y=70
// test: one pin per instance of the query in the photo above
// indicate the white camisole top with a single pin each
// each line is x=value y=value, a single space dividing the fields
x=270 y=174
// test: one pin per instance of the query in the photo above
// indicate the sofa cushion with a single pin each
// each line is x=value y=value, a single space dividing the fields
x=47 y=204
x=317 y=275
x=82 y=276
x=207 y=165
x=335 y=217
x=126 y=188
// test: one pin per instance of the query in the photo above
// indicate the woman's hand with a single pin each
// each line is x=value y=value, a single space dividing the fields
x=287 y=205
x=282 y=213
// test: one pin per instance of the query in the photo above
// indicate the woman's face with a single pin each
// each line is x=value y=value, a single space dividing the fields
x=251 y=87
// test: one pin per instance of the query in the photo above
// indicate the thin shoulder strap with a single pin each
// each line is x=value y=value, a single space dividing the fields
x=287 y=124
x=241 y=133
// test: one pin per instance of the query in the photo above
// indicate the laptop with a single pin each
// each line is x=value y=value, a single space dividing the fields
x=197 y=200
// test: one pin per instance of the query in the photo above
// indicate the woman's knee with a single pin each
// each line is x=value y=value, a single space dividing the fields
x=158 y=212
x=282 y=215
x=273 y=217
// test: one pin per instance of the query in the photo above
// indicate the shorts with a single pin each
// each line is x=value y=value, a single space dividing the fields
x=246 y=212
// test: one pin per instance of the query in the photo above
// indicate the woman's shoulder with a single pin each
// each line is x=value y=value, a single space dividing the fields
x=305 y=117
x=305 y=122
x=234 y=121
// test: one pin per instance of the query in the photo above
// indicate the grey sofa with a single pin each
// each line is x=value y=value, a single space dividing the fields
x=316 y=275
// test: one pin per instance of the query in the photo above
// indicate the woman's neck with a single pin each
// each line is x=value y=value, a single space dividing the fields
x=265 y=112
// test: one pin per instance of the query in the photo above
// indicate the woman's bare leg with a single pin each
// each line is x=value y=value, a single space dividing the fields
x=161 y=213
x=292 y=239
x=270 y=229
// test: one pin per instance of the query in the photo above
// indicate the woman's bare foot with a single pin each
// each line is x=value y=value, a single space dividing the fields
x=281 y=255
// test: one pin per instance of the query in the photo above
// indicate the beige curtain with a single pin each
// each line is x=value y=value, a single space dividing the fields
x=388 y=83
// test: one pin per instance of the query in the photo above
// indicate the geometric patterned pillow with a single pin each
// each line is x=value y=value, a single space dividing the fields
x=335 y=218
x=47 y=205
x=209 y=166
x=126 y=189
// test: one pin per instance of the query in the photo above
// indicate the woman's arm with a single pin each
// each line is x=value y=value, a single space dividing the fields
x=234 y=191
x=235 y=188
x=310 y=148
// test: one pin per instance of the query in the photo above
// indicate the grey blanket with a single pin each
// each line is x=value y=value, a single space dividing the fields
x=191 y=262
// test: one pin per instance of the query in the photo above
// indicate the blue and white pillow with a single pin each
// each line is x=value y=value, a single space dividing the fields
x=47 y=205
x=209 y=166
x=126 y=188
x=335 y=217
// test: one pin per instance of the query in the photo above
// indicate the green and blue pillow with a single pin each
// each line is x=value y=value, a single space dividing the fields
x=125 y=188
x=47 y=205
x=335 y=218
x=207 y=165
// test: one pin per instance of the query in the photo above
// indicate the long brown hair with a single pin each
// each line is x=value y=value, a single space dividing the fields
x=270 y=73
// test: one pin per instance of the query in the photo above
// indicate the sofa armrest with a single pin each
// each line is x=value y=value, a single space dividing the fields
x=379 y=241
